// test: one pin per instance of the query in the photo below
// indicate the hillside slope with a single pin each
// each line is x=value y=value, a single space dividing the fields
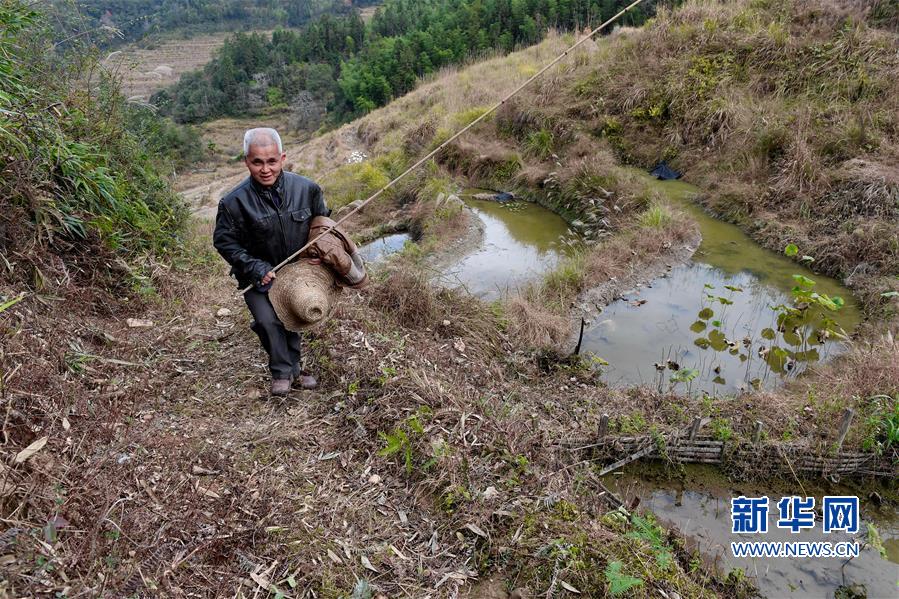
x=147 y=68
x=437 y=452
x=786 y=115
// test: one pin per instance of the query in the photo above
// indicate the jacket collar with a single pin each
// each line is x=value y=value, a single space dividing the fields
x=278 y=185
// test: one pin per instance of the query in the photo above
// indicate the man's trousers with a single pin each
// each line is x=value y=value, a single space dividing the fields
x=282 y=346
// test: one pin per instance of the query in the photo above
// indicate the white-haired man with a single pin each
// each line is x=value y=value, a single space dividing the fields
x=261 y=222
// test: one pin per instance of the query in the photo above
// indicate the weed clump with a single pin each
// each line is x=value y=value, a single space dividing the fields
x=657 y=216
x=408 y=297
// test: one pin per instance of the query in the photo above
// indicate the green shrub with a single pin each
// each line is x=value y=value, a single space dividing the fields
x=79 y=164
x=353 y=182
x=540 y=144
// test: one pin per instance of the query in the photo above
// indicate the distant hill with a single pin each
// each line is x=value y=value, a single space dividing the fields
x=112 y=22
x=145 y=68
x=339 y=67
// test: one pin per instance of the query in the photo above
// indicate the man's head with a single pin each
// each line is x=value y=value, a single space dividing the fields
x=264 y=155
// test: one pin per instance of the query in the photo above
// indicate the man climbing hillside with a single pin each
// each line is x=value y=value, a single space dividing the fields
x=260 y=223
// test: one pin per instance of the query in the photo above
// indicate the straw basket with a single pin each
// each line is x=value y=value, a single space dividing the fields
x=303 y=295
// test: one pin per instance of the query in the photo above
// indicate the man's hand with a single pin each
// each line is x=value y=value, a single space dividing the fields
x=268 y=278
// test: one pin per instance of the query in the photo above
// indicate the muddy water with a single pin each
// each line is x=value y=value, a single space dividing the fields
x=382 y=247
x=715 y=315
x=698 y=505
x=522 y=241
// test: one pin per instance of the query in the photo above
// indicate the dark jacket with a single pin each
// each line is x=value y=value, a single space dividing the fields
x=253 y=235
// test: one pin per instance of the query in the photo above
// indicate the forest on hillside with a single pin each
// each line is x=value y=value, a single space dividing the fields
x=110 y=22
x=340 y=68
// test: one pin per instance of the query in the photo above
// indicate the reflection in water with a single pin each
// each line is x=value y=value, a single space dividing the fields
x=382 y=247
x=521 y=242
x=702 y=514
x=711 y=325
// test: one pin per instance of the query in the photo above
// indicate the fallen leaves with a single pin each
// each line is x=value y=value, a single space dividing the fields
x=208 y=492
x=476 y=530
x=201 y=471
x=139 y=323
x=568 y=587
x=368 y=565
x=32 y=449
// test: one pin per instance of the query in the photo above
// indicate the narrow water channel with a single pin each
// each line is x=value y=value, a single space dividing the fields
x=715 y=318
x=382 y=247
x=698 y=505
x=713 y=325
x=522 y=241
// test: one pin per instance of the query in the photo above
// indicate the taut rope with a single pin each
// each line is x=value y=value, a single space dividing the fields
x=434 y=152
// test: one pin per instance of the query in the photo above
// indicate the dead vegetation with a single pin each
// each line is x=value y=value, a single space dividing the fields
x=433 y=454
x=428 y=459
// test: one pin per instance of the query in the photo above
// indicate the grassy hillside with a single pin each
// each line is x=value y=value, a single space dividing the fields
x=434 y=456
x=787 y=114
x=83 y=190
x=340 y=67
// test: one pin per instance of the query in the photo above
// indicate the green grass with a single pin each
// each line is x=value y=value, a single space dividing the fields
x=567 y=278
x=657 y=216
x=467 y=117
x=352 y=182
x=540 y=144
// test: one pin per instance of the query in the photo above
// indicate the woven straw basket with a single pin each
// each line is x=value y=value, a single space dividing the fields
x=303 y=295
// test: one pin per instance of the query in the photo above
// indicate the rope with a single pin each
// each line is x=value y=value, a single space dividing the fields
x=436 y=150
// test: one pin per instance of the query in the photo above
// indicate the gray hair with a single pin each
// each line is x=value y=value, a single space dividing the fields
x=253 y=137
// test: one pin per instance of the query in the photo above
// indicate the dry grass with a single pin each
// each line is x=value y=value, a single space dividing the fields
x=165 y=473
x=534 y=323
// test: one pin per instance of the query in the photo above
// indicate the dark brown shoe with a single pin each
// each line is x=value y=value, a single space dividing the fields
x=280 y=387
x=305 y=381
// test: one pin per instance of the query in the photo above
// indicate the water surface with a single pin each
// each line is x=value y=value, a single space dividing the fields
x=716 y=316
x=699 y=507
x=522 y=241
x=380 y=248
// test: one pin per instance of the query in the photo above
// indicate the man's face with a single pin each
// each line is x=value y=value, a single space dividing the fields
x=265 y=163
